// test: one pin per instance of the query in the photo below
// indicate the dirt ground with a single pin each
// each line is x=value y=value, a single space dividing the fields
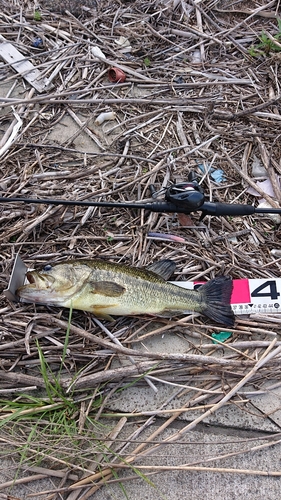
x=200 y=92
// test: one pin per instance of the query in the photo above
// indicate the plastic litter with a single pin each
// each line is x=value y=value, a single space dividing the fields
x=96 y=51
x=110 y=115
x=266 y=186
x=116 y=75
x=196 y=57
x=178 y=79
x=276 y=218
x=276 y=252
x=220 y=337
x=258 y=169
x=216 y=174
x=124 y=44
x=163 y=236
x=22 y=65
x=37 y=43
x=17 y=124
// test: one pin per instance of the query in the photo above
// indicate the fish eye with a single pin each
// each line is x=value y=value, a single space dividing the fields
x=48 y=267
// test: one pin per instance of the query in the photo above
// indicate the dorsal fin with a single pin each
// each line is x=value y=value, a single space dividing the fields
x=164 y=268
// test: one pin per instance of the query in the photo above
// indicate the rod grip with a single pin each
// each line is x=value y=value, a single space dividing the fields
x=227 y=209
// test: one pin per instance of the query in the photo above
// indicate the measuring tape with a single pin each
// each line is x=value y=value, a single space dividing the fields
x=249 y=296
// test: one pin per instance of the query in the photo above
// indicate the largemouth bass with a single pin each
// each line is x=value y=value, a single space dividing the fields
x=105 y=289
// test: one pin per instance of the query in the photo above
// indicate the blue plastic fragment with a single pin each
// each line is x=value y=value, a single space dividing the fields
x=216 y=174
x=37 y=43
x=178 y=79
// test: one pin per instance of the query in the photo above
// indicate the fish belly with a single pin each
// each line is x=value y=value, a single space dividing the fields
x=136 y=299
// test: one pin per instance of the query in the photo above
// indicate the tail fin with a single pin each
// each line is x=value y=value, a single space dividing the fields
x=216 y=295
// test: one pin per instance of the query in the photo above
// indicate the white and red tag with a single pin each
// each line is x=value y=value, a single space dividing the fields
x=250 y=296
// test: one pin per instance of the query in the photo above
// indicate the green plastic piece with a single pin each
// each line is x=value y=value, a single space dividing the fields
x=221 y=337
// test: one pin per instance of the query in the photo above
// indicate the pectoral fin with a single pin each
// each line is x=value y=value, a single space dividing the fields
x=107 y=288
x=164 y=268
x=99 y=313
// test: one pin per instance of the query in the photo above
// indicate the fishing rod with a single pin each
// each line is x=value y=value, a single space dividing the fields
x=185 y=197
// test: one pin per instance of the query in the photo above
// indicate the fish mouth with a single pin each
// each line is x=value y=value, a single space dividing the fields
x=39 y=289
x=39 y=280
x=30 y=278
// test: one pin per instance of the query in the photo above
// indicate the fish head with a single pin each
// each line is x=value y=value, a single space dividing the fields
x=54 y=285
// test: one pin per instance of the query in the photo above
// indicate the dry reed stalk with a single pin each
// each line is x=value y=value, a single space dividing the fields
x=173 y=114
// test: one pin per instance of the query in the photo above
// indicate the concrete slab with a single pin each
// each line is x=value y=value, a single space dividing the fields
x=269 y=403
x=252 y=415
x=196 y=485
x=9 y=472
x=207 y=446
x=138 y=399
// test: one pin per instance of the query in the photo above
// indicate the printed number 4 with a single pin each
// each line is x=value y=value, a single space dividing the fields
x=273 y=294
